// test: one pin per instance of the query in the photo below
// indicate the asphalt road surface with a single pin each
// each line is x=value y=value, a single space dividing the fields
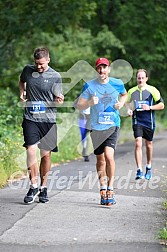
x=73 y=220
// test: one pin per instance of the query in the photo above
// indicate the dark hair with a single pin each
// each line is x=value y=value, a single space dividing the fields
x=41 y=52
x=142 y=70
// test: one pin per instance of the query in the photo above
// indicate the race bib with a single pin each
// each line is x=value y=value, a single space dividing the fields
x=37 y=107
x=138 y=105
x=106 y=117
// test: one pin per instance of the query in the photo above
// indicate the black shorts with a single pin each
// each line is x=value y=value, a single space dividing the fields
x=40 y=133
x=103 y=138
x=144 y=132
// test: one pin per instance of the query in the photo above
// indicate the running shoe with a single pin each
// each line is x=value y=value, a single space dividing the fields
x=103 y=197
x=110 y=198
x=43 y=197
x=139 y=174
x=86 y=158
x=31 y=195
x=148 y=174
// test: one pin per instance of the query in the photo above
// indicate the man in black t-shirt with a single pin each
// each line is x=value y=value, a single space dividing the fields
x=43 y=88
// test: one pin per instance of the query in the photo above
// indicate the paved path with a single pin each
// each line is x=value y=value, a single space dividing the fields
x=73 y=220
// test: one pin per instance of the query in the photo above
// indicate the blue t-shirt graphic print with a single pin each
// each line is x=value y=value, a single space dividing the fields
x=103 y=114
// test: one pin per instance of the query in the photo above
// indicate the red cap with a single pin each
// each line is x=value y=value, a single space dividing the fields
x=102 y=61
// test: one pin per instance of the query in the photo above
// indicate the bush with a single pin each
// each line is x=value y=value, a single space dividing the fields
x=10 y=134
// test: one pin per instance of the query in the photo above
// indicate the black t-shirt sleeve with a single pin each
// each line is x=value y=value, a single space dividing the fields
x=23 y=74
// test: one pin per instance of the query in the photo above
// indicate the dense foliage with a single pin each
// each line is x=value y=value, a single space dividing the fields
x=83 y=30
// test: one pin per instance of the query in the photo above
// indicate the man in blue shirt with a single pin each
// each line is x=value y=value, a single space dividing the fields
x=142 y=102
x=105 y=96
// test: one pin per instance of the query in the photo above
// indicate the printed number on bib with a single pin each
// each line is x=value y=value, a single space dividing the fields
x=138 y=105
x=37 y=107
x=107 y=117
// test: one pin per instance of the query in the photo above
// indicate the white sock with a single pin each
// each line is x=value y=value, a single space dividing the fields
x=103 y=187
x=33 y=186
x=42 y=187
x=110 y=188
x=148 y=166
x=140 y=168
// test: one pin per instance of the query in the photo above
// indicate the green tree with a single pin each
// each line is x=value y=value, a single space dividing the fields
x=141 y=27
x=26 y=24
